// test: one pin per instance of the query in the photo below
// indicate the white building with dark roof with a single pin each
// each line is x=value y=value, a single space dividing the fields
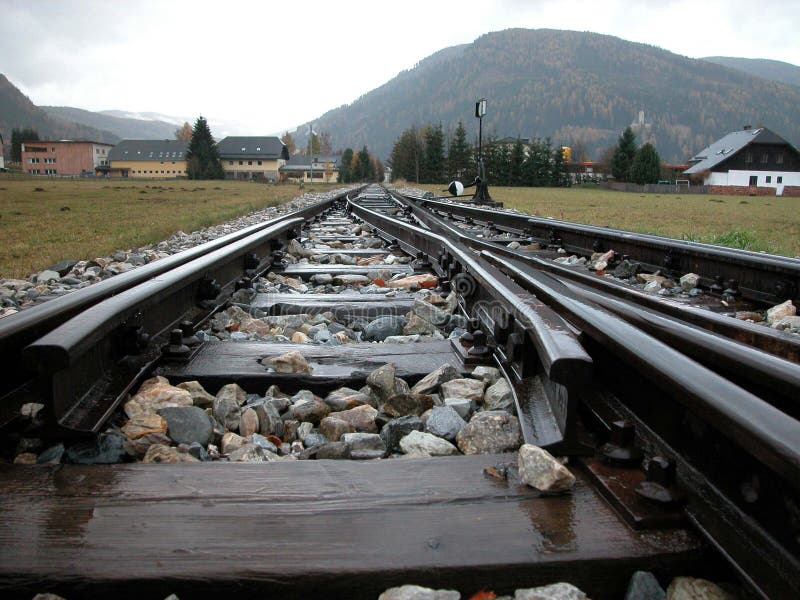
x=323 y=169
x=252 y=157
x=751 y=158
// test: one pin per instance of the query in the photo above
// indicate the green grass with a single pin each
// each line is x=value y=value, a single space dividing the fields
x=770 y=224
x=84 y=219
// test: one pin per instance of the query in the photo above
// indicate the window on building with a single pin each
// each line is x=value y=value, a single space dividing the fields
x=748 y=158
x=779 y=158
x=250 y=163
x=753 y=180
x=780 y=178
x=769 y=178
x=259 y=163
x=764 y=158
x=241 y=162
x=230 y=163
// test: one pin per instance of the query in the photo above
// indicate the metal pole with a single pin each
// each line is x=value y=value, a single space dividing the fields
x=311 y=151
x=480 y=147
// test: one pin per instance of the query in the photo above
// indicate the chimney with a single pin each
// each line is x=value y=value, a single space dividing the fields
x=748 y=127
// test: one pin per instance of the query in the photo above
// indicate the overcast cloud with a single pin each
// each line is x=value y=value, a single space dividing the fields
x=262 y=67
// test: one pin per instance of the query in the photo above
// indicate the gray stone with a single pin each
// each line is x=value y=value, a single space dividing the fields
x=63 y=267
x=499 y=396
x=310 y=411
x=269 y=419
x=315 y=439
x=538 y=468
x=430 y=313
x=251 y=453
x=471 y=389
x=200 y=397
x=431 y=382
x=232 y=391
x=689 y=281
x=198 y=452
x=402 y=339
x=400 y=405
x=51 y=456
x=382 y=327
x=187 y=425
x=333 y=451
x=490 y=432
x=444 y=422
x=555 y=591
x=415 y=592
x=260 y=440
x=626 y=269
x=418 y=326
x=463 y=406
x=382 y=381
x=489 y=375
x=322 y=278
x=47 y=276
x=426 y=444
x=644 y=586
x=227 y=410
x=351 y=280
x=396 y=429
x=364 y=446
x=303 y=430
x=109 y=448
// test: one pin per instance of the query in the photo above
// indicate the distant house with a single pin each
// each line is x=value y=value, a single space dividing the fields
x=148 y=159
x=252 y=157
x=751 y=158
x=64 y=157
x=325 y=169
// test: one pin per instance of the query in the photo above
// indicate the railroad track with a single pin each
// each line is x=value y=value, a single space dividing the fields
x=288 y=330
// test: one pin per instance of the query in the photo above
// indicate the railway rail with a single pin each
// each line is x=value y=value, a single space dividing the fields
x=351 y=305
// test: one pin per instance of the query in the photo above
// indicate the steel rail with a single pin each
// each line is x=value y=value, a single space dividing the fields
x=765 y=278
x=76 y=362
x=20 y=329
x=758 y=336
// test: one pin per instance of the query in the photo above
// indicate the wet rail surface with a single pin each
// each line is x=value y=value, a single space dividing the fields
x=713 y=453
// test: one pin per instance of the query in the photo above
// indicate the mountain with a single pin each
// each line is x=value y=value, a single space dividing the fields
x=581 y=89
x=773 y=70
x=122 y=127
x=17 y=111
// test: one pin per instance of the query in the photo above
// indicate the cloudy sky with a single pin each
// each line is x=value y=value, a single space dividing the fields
x=263 y=67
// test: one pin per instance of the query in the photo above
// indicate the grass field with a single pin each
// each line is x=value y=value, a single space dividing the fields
x=754 y=223
x=43 y=220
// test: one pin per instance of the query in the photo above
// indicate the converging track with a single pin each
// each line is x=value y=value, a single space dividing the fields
x=322 y=342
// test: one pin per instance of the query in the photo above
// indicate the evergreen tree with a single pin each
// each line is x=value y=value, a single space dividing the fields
x=18 y=136
x=460 y=161
x=516 y=160
x=646 y=166
x=433 y=167
x=623 y=155
x=559 y=176
x=202 y=158
x=365 y=167
x=345 y=175
x=406 y=156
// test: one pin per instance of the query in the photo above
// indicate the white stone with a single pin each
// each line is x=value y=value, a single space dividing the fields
x=689 y=281
x=538 y=468
x=690 y=588
x=415 y=592
x=777 y=312
x=555 y=591
x=426 y=444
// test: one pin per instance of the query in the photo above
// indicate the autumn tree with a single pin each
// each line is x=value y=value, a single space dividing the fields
x=184 y=133
x=325 y=146
x=623 y=155
x=288 y=141
x=646 y=165
x=202 y=158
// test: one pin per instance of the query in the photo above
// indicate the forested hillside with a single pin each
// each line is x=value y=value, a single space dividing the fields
x=580 y=89
x=774 y=70
x=122 y=127
x=17 y=112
